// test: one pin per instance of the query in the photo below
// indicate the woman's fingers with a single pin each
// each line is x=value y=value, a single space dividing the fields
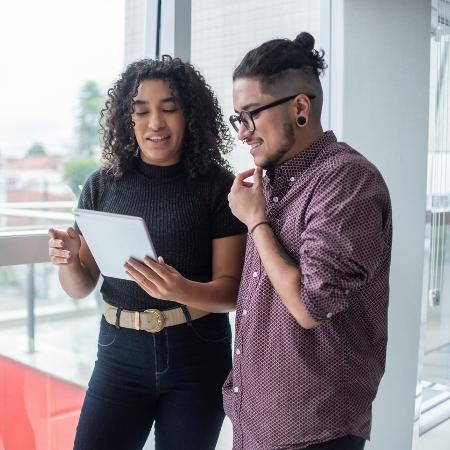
x=59 y=256
x=58 y=260
x=56 y=251
x=59 y=253
x=142 y=270
x=160 y=268
x=144 y=282
x=57 y=234
x=71 y=232
x=56 y=238
x=155 y=277
x=56 y=243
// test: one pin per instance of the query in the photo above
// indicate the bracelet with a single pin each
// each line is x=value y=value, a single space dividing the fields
x=258 y=224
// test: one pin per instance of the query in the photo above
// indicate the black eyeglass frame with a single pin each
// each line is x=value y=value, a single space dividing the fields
x=236 y=119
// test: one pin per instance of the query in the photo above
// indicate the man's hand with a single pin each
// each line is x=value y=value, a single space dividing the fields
x=246 y=199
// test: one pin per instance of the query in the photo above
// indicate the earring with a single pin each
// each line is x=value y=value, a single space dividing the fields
x=301 y=121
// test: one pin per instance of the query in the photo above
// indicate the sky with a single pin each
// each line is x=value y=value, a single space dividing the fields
x=48 y=49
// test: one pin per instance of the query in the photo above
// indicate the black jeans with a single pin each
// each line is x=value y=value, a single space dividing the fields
x=172 y=378
x=343 y=443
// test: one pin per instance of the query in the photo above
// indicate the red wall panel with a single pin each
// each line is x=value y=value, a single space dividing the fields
x=37 y=411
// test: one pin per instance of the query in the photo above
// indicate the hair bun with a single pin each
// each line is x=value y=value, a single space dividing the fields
x=305 y=40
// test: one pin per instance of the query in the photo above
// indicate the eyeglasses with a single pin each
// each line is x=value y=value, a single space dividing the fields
x=246 y=117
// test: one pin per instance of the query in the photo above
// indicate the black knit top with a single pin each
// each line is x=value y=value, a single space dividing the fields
x=183 y=216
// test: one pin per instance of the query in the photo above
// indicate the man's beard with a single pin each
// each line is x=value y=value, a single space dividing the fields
x=287 y=143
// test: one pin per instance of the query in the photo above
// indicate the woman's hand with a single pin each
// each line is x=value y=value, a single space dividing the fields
x=157 y=278
x=63 y=246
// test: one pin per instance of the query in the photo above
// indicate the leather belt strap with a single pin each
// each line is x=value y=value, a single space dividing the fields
x=151 y=320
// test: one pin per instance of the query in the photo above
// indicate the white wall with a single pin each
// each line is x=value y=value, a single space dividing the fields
x=379 y=105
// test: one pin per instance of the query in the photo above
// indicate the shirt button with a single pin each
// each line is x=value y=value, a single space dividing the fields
x=238 y=352
x=329 y=315
x=255 y=274
x=347 y=292
x=275 y=199
x=292 y=179
x=236 y=389
x=244 y=312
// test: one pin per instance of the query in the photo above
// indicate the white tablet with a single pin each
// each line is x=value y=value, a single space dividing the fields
x=113 y=239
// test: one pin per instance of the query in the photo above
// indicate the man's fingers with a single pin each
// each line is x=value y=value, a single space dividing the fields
x=239 y=179
x=257 y=177
x=235 y=184
x=243 y=175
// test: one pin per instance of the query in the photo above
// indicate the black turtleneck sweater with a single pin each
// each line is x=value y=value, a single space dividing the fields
x=183 y=216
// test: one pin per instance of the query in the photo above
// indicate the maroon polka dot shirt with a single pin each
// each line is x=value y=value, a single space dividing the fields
x=291 y=387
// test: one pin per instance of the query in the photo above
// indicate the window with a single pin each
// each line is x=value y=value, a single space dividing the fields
x=58 y=60
x=435 y=377
x=222 y=32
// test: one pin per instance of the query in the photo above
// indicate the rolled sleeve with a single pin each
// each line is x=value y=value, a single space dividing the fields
x=344 y=240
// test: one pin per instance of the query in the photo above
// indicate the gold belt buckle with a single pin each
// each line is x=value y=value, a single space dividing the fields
x=155 y=320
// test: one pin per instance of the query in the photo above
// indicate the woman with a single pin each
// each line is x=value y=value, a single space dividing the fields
x=164 y=137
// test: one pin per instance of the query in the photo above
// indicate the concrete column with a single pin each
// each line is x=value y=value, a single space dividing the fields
x=379 y=86
x=175 y=35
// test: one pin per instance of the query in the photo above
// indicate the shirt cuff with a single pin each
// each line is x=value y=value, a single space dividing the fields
x=323 y=305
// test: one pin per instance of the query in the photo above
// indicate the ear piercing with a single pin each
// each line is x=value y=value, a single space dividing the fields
x=301 y=121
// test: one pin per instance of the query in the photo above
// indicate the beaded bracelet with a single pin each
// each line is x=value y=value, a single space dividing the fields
x=258 y=224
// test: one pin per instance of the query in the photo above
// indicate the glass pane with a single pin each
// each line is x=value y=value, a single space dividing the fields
x=222 y=32
x=54 y=80
x=58 y=60
x=434 y=418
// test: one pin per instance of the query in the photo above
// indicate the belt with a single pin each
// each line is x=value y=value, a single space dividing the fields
x=151 y=320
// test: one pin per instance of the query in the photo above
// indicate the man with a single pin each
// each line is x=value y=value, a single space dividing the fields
x=311 y=320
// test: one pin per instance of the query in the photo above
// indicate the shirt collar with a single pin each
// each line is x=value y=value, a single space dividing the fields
x=295 y=166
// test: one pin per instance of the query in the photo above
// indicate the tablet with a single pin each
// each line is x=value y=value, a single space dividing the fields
x=113 y=239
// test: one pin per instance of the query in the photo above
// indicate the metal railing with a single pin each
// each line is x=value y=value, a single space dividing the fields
x=26 y=248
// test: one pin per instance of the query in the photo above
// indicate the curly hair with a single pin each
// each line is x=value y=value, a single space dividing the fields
x=206 y=137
